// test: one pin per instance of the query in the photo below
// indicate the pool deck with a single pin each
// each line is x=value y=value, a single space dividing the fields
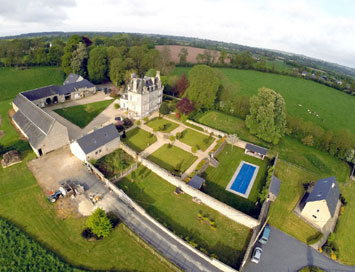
x=251 y=183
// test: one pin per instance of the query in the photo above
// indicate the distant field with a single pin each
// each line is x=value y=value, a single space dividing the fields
x=82 y=115
x=13 y=81
x=335 y=108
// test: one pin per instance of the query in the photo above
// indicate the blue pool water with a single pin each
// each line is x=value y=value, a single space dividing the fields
x=243 y=178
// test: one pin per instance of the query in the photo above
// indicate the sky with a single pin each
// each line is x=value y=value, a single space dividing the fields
x=323 y=29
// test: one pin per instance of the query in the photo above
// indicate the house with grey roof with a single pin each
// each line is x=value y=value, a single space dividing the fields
x=321 y=204
x=72 y=78
x=142 y=96
x=255 y=151
x=96 y=144
x=43 y=132
x=274 y=188
x=197 y=182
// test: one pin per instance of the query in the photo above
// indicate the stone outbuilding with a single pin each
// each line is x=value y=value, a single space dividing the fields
x=43 y=132
x=320 y=205
x=255 y=151
x=96 y=144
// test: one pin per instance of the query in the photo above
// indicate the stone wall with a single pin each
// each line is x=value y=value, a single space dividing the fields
x=208 y=129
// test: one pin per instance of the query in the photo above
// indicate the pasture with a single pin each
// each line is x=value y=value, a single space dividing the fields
x=325 y=106
x=14 y=81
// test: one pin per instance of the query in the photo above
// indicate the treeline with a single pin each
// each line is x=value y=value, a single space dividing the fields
x=18 y=252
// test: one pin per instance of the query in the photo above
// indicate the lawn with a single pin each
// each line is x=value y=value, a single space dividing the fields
x=161 y=124
x=139 y=139
x=332 y=106
x=23 y=203
x=172 y=158
x=14 y=81
x=218 y=178
x=194 y=139
x=180 y=214
x=82 y=115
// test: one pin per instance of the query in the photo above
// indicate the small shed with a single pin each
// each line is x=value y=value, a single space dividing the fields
x=255 y=150
x=196 y=182
x=274 y=188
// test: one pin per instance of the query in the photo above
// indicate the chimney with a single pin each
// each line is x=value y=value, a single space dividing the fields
x=158 y=74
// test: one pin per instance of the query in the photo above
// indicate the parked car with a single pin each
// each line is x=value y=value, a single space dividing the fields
x=255 y=257
x=264 y=237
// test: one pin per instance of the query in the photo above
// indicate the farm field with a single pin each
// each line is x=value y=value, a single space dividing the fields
x=180 y=214
x=218 y=178
x=172 y=158
x=194 y=138
x=161 y=124
x=82 y=115
x=32 y=78
x=335 y=108
x=139 y=139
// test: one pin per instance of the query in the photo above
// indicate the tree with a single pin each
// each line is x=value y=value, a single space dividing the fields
x=203 y=88
x=164 y=109
x=222 y=56
x=117 y=70
x=185 y=106
x=79 y=60
x=99 y=223
x=183 y=56
x=97 y=65
x=137 y=53
x=181 y=85
x=69 y=48
x=151 y=73
x=267 y=119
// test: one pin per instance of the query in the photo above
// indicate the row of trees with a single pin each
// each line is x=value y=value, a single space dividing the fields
x=116 y=63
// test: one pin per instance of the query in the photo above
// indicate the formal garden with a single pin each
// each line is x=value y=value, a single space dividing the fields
x=82 y=115
x=195 y=139
x=201 y=226
x=161 y=124
x=138 y=139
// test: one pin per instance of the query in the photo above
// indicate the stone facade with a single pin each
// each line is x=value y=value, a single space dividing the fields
x=142 y=96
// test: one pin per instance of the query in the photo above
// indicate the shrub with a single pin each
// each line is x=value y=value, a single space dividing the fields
x=331 y=237
x=314 y=239
x=164 y=108
x=197 y=147
x=178 y=135
x=177 y=115
x=193 y=149
x=99 y=223
x=138 y=123
x=145 y=119
x=116 y=106
x=172 y=138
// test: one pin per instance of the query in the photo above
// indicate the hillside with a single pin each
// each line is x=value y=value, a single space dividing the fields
x=304 y=98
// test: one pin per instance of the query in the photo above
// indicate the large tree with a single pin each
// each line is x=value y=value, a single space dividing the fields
x=204 y=84
x=99 y=223
x=79 y=60
x=183 y=56
x=181 y=85
x=267 y=118
x=69 y=48
x=97 y=65
x=117 y=70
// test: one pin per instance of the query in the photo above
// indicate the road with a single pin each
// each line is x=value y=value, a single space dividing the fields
x=164 y=243
x=284 y=253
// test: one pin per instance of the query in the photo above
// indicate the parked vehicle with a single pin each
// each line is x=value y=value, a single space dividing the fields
x=256 y=256
x=264 y=237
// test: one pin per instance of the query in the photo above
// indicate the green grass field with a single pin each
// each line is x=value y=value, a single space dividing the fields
x=194 y=138
x=14 y=81
x=332 y=106
x=158 y=124
x=180 y=214
x=218 y=178
x=172 y=158
x=82 y=115
x=139 y=139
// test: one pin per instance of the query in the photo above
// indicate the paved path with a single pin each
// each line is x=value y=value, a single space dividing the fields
x=284 y=253
x=157 y=236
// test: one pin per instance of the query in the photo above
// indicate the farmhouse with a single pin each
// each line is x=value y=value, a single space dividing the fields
x=43 y=132
x=142 y=96
x=256 y=151
x=96 y=144
x=274 y=188
x=321 y=203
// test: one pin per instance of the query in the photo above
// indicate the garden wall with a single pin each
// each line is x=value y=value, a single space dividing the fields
x=207 y=129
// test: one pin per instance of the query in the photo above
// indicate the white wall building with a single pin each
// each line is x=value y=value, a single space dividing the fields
x=142 y=96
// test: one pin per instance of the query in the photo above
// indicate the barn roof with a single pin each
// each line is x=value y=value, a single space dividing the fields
x=326 y=189
x=256 y=148
x=98 y=138
x=71 y=79
x=275 y=186
x=71 y=87
x=41 y=92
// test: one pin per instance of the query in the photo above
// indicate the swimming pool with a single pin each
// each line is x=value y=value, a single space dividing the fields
x=243 y=179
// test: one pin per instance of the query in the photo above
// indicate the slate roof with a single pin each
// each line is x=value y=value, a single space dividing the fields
x=72 y=78
x=196 y=182
x=141 y=83
x=71 y=87
x=256 y=148
x=98 y=138
x=41 y=92
x=274 y=187
x=326 y=189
